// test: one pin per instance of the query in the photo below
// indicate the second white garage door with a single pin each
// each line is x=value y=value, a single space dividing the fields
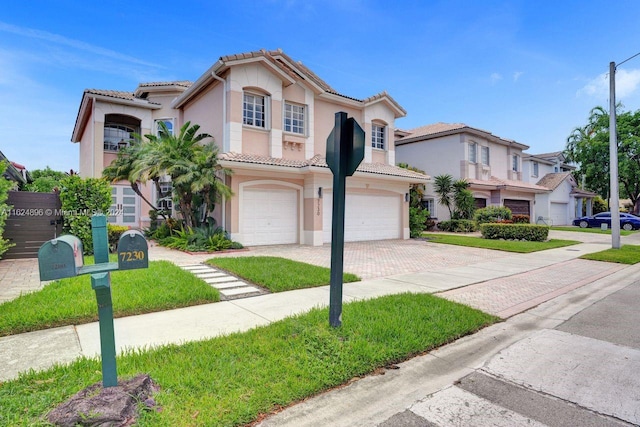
x=269 y=217
x=367 y=217
x=559 y=213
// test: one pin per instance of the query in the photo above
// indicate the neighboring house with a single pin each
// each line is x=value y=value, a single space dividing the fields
x=565 y=201
x=492 y=165
x=16 y=172
x=271 y=117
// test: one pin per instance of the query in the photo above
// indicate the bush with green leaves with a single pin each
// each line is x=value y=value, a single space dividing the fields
x=205 y=238
x=530 y=232
x=45 y=180
x=114 y=232
x=458 y=226
x=417 y=221
x=5 y=186
x=81 y=198
x=492 y=214
x=521 y=219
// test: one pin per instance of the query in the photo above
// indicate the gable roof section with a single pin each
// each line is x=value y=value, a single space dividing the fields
x=494 y=183
x=233 y=159
x=553 y=180
x=289 y=71
x=437 y=130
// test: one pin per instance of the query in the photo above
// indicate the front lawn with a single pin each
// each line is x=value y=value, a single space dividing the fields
x=163 y=286
x=590 y=230
x=278 y=274
x=501 y=245
x=627 y=254
x=232 y=380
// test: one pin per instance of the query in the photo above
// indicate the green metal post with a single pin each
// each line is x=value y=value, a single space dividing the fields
x=101 y=283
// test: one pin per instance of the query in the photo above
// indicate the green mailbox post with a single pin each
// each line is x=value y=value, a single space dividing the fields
x=62 y=257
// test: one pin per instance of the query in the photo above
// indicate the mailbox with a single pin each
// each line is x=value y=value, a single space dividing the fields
x=60 y=258
x=133 y=251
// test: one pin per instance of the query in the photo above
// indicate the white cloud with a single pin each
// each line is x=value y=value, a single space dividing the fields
x=627 y=82
x=517 y=75
x=495 y=78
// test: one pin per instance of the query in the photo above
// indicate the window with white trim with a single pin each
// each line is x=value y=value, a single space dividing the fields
x=377 y=136
x=254 y=110
x=430 y=205
x=294 y=118
x=117 y=136
x=535 y=169
x=473 y=152
x=515 y=166
x=168 y=123
x=485 y=155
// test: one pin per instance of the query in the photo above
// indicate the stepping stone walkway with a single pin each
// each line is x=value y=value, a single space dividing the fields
x=230 y=287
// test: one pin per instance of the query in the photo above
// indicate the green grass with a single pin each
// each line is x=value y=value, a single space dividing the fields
x=591 y=230
x=627 y=254
x=231 y=380
x=501 y=245
x=162 y=286
x=278 y=274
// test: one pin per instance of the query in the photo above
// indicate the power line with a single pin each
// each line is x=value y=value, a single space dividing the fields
x=628 y=59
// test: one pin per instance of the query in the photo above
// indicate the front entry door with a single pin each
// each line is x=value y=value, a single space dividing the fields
x=124 y=206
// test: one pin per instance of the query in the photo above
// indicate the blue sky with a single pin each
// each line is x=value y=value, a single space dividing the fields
x=524 y=70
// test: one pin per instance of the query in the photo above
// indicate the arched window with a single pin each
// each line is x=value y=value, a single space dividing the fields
x=119 y=130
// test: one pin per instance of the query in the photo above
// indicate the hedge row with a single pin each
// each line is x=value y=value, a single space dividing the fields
x=530 y=232
x=458 y=226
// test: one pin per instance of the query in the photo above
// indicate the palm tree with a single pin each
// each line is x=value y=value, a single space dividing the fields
x=191 y=164
x=443 y=185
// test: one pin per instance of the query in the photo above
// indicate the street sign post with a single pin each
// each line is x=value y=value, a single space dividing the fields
x=345 y=151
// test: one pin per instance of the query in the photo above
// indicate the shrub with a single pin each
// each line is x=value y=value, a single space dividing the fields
x=5 y=186
x=530 y=232
x=521 y=219
x=82 y=198
x=492 y=214
x=114 y=232
x=458 y=226
x=417 y=221
x=206 y=238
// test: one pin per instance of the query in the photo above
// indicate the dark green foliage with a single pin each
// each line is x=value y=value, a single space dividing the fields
x=5 y=186
x=205 y=238
x=492 y=214
x=81 y=199
x=458 y=226
x=530 y=232
x=417 y=221
x=114 y=232
x=45 y=180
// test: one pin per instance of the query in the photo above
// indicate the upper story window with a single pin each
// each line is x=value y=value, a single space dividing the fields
x=253 y=110
x=167 y=122
x=485 y=156
x=294 y=118
x=515 y=164
x=473 y=150
x=378 y=136
x=535 y=169
x=117 y=136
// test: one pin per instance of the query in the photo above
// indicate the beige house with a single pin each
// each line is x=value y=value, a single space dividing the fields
x=271 y=117
x=492 y=165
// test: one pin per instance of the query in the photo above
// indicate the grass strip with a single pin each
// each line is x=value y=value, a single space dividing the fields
x=232 y=380
x=501 y=245
x=163 y=286
x=278 y=274
x=627 y=254
x=590 y=230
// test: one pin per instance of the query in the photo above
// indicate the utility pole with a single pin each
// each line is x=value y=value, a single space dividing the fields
x=614 y=204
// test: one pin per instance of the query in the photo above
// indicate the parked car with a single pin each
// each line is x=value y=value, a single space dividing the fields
x=627 y=221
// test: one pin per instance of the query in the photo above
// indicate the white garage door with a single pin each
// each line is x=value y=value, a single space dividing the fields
x=269 y=217
x=559 y=214
x=366 y=217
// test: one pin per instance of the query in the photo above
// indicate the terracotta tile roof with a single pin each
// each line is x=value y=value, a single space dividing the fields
x=183 y=83
x=438 y=129
x=320 y=161
x=434 y=129
x=507 y=183
x=553 y=180
x=128 y=96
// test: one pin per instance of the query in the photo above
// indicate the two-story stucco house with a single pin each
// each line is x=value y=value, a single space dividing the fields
x=271 y=117
x=492 y=165
x=564 y=202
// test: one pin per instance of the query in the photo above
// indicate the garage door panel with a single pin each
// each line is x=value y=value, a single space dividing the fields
x=518 y=207
x=269 y=217
x=367 y=217
x=559 y=213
